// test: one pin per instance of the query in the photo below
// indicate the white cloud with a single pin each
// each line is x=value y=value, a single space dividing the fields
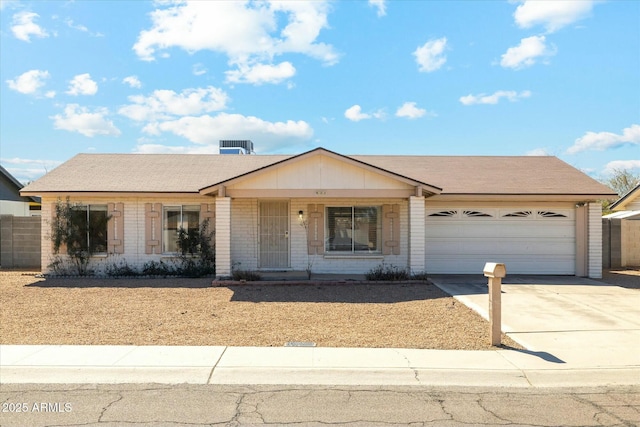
x=80 y=119
x=410 y=111
x=538 y=152
x=553 y=15
x=29 y=82
x=82 y=85
x=261 y=73
x=23 y=26
x=617 y=165
x=208 y=130
x=606 y=140
x=247 y=32
x=166 y=104
x=78 y=27
x=6 y=3
x=355 y=114
x=199 y=69
x=132 y=81
x=494 y=98
x=28 y=169
x=50 y=94
x=22 y=161
x=430 y=56
x=380 y=5
x=172 y=149
x=526 y=53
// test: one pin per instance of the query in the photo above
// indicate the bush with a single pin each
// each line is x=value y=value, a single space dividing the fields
x=248 y=275
x=66 y=267
x=158 y=268
x=387 y=272
x=120 y=268
x=69 y=231
x=197 y=252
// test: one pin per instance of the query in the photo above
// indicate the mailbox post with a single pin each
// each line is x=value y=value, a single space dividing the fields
x=495 y=272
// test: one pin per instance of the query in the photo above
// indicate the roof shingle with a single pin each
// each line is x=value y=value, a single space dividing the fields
x=188 y=173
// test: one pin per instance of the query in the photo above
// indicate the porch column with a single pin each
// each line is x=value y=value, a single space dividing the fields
x=417 y=261
x=582 y=237
x=223 y=236
x=594 y=240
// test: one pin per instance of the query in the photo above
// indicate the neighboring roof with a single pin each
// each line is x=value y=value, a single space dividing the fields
x=190 y=172
x=10 y=188
x=627 y=198
x=624 y=215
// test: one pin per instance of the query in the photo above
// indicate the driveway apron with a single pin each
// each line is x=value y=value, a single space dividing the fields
x=569 y=319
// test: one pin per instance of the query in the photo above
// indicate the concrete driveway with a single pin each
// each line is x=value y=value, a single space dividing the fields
x=564 y=319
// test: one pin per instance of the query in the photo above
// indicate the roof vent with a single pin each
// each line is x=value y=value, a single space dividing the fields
x=236 y=146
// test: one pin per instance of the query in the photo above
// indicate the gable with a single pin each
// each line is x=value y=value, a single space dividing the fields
x=319 y=172
x=628 y=202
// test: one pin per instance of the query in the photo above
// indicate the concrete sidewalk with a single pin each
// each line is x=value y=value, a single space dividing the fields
x=578 y=332
x=286 y=365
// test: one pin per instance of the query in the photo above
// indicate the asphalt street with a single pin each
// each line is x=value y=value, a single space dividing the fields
x=219 y=405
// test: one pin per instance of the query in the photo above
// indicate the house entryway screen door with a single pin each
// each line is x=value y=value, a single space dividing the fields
x=274 y=234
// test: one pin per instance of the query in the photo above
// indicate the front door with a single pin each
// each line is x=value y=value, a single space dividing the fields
x=274 y=234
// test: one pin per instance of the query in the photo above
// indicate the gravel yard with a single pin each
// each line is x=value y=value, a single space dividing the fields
x=191 y=312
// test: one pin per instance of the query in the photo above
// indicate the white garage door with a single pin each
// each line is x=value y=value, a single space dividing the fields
x=528 y=241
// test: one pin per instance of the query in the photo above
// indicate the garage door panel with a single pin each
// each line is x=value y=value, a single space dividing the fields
x=497 y=229
x=511 y=246
x=515 y=265
x=532 y=244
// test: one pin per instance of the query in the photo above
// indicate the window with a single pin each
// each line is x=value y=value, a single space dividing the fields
x=353 y=229
x=173 y=219
x=91 y=227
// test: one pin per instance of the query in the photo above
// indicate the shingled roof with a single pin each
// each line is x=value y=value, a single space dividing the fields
x=187 y=173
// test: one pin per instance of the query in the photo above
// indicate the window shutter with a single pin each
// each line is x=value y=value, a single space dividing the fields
x=315 y=229
x=391 y=229
x=208 y=211
x=115 y=228
x=153 y=228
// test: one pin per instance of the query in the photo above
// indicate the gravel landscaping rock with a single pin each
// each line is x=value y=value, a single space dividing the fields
x=192 y=312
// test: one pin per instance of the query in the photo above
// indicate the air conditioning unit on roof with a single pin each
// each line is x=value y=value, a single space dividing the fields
x=236 y=146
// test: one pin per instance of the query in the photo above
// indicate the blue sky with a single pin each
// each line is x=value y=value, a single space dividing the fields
x=432 y=77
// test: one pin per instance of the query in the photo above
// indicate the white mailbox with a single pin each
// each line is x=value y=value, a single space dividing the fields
x=494 y=269
x=495 y=272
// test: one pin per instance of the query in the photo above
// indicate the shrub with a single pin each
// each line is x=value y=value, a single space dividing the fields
x=158 y=268
x=248 y=275
x=120 y=268
x=69 y=231
x=387 y=272
x=197 y=252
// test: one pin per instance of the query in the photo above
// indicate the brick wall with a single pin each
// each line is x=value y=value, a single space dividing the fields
x=133 y=225
x=237 y=234
x=594 y=239
x=245 y=231
x=20 y=242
